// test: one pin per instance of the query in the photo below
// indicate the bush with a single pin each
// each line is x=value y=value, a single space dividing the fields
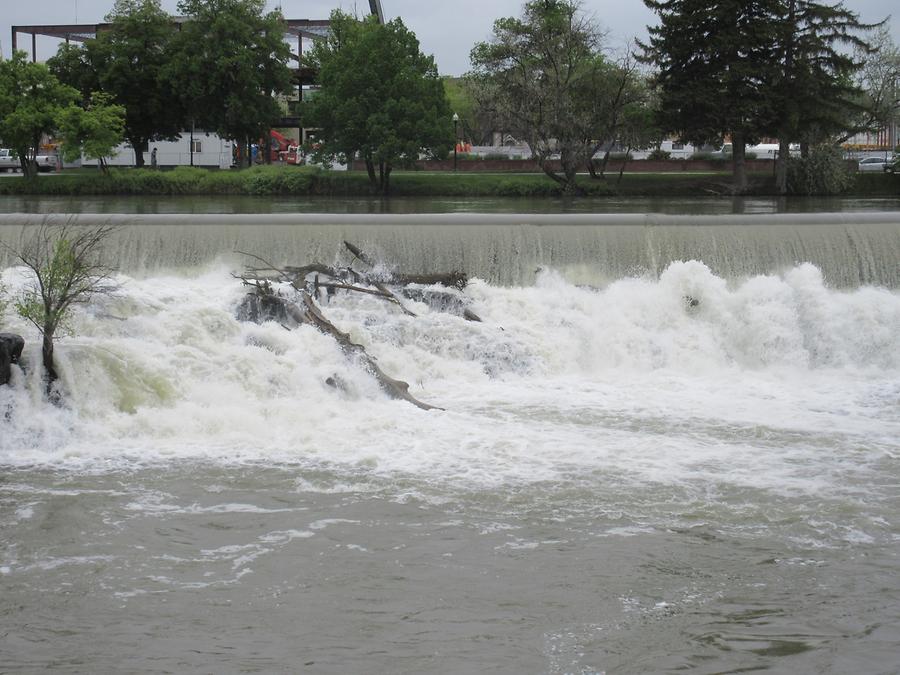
x=659 y=154
x=500 y=156
x=823 y=172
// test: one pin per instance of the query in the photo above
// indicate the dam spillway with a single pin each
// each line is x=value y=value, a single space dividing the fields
x=850 y=249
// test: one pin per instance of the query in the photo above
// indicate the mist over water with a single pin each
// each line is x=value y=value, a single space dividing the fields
x=648 y=461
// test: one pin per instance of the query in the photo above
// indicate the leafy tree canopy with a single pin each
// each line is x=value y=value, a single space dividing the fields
x=230 y=60
x=93 y=131
x=380 y=96
x=31 y=104
x=545 y=80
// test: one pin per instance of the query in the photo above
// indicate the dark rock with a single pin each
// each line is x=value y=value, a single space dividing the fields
x=10 y=351
x=262 y=308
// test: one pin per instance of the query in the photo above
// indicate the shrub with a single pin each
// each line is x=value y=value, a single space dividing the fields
x=500 y=156
x=823 y=172
x=659 y=153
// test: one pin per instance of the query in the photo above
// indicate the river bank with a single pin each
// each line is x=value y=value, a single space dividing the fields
x=306 y=181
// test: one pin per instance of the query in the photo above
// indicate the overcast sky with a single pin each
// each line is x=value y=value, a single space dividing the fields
x=445 y=29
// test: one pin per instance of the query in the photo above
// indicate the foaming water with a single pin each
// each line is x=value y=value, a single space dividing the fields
x=164 y=369
x=674 y=471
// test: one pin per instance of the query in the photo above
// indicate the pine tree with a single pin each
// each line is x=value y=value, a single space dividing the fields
x=714 y=61
x=813 y=93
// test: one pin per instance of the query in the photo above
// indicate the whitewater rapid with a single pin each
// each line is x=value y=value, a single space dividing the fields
x=684 y=378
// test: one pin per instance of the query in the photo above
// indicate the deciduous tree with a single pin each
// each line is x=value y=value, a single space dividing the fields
x=540 y=74
x=93 y=131
x=380 y=97
x=230 y=61
x=68 y=270
x=31 y=104
x=128 y=61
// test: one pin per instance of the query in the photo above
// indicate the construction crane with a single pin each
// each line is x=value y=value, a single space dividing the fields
x=375 y=8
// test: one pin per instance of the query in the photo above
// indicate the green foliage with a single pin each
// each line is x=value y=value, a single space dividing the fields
x=823 y=172
x=31 y=103
x=461 y=102
x=128 y=62
x=540 y=75
x=380 y=97
x=67 y=271
x=72 y=66
x=713 y=61
x=757 y=68
x=659 y=154
x=94 y=131
x=229 y=61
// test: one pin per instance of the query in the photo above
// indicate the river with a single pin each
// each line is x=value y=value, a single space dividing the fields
x=645 y=462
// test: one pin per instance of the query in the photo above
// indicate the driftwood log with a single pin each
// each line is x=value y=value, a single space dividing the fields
x=312 y=279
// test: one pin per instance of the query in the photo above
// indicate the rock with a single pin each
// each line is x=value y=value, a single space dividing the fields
x=10 y=350
x=262 y=308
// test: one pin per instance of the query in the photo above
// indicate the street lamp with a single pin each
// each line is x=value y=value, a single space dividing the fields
x=455 y=139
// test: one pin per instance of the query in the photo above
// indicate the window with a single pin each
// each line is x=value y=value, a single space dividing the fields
x=195 y=147
x=678 y=146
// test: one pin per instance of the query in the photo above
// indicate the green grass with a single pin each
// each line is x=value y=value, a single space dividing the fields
x=287 y=180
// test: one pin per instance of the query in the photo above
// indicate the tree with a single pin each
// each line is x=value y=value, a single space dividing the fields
x=539 y=74
x=93 y=131
x=879 y=79
x=72 y=65
x=67 y=271
x=814 y=98
x=714 y=60
x=31 y=102
x=130 y=59
x=379 y=97
x=619 y=101
x=230 y=60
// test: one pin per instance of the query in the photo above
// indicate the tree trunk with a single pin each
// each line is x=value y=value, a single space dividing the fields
x=739 y=149
x=370 y=169
x=784 y=152
x=47 y=354
x=624 y=162
x=29 y=169
x=139 y=144
x=386 y=179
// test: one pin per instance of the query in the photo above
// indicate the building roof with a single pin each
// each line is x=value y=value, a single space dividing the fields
x=315 y=29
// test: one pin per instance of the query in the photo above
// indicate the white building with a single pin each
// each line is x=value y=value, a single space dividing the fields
x=209 y=151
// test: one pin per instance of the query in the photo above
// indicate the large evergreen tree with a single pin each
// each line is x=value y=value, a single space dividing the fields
x=714 y=61
x=380 y=97
x=814 y=95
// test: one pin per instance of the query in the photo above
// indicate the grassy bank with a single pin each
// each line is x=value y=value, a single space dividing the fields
x=283 y=180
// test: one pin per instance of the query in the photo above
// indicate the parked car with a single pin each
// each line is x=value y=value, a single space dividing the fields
x=893 y=166
x=10 y=162
x=879 y=164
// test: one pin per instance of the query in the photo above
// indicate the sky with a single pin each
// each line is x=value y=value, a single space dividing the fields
x=448 y=30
